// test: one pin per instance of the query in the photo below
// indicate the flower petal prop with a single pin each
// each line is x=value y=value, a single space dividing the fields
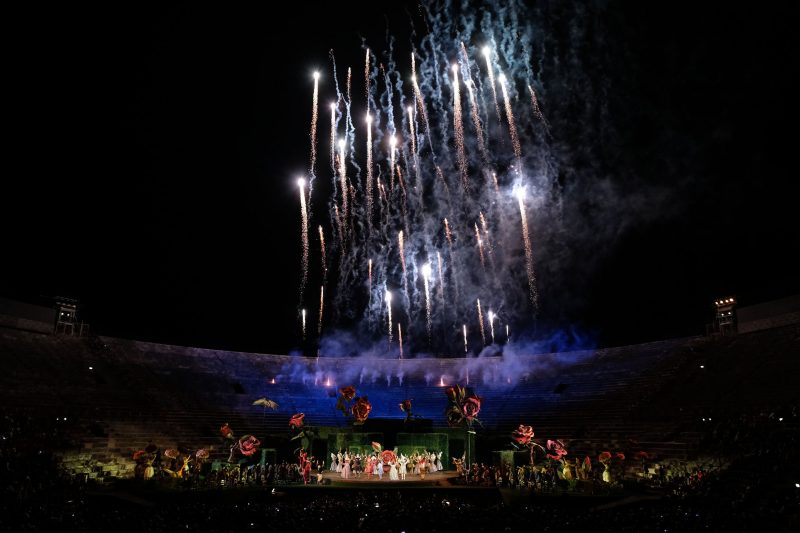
x=405 y=406
x=361 y=409
x=172 y=453
x=297 y=420
x=201 y=454
x=139 y=454
x=348 y=393
x=377 y=446
x=266 y=403
x=604 y=457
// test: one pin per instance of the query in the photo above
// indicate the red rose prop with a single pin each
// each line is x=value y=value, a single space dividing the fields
x=226 y=431
x=249 y=445
x=201 y=454
x=297 y=420
x=139 y=454
x=523 y=434
x=604 y=457
x=361 y=409
x=471 y=407
x=621 y=456
x=405 y=406
x=348 y=392
x=388 y=456
x=642 y=455
x=454 y=416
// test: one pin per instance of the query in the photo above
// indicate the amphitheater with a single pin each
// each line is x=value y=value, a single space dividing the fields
x=113 y=396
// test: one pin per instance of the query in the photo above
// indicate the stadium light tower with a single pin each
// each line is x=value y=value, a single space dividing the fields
x=725 y=318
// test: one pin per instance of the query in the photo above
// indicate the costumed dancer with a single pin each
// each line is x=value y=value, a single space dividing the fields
x=346 y=466
x=334 y=463
x=439 y=461
x=339 y=461
x=379 y=468
x=393 y=471
x=403 y=461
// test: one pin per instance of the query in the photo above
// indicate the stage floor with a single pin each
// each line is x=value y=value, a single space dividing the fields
x=440 y=478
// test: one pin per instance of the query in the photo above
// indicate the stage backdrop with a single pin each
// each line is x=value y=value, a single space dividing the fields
x=408 y=443
x=354 y=442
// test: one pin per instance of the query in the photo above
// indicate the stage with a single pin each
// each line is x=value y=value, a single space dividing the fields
x=437 y=479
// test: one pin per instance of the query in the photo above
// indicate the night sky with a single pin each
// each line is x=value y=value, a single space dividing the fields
x=152 y=151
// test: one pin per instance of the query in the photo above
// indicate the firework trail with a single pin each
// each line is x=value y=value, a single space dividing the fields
x=507 y=334
x=537 y=112
x=489 y=248
x=366 y=79
x=400 y=339
x=473 y=106
x=301 y=183
x=496 y=185
x=464 y=328
x=345 y=189
x=480 y=322
x=458 y=127
x=420 y=101
x=402 y=250
x=388 y=299
x=321 y=309
x=532 y=292
x=314 y=110
x=369 y=283
x=426 y=276
x=410 y=110
x=491 y=324
x=393 y=157
x=480 y=246
x=303 y=314
x=333 y=136
x=487 y=53
x=512 y=127
x=323 y=260
x=440 y=288
x=369 y=171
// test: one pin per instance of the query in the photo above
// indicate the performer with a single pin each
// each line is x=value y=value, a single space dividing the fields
x=346 y=466
x=339 y=459
x=439 y=461
x=393 y=471
x=306 y=472
x=379 y=468
x=432 y=462
x=403 y=461
x=334 y=463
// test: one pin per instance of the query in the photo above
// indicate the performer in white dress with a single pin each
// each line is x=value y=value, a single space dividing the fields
x=379 y=468
x=432 y=462
x=346 y=466
x=403 y=461
x=334 y=464
x=439 y=461
x=339 y=458
x=393 y=472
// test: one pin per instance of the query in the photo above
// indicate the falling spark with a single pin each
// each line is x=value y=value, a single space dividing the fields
x=323 y=260
x=301 y=183
x=447 y=233
x=507 y=334
x=403 y=261
x=496 y=185
x=321 y=309
x=426 y=276
x=388 y=299
x=512 y=127
x=487 y=53
x=314 y=111
x=491 y=323
x=333 y=134
x=533 y=293
x=536 y=110
x=480 y=245
x=465 y=337
x=459 y=131
x=410 y=110
x=303 y=313
x=369 y=171
x=485 y=227
x=480 y=323
x=400 y=338
x=441 y=381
